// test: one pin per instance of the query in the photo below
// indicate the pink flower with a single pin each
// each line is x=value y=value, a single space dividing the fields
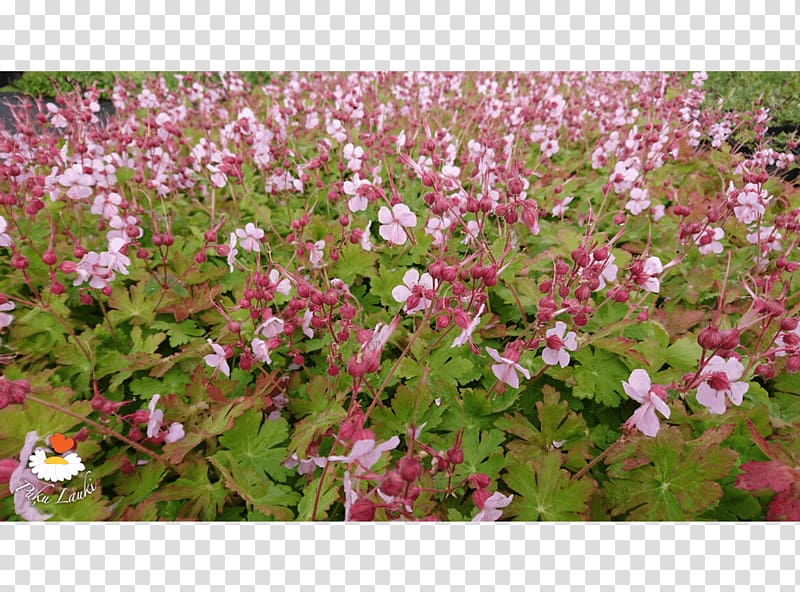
x=316 y=254
x=282 y=286
x=506 y=370
x=106 y=205
x=174 y=433
x=751 y=203
x=708 y=240
x=652 y=399
x=394 y=221
x=270 y=328
x=490 y=512
x=353 y=156
x=720 y=378
x=79 y=183
x=249 y=237
x=767 y=237
x=357 y=188
x=638 y=201
x=466 y=333
x=232 y=251
x=156 y=417
x=306 y=465
x=307 y=330
x=558 y=344
x=22 y=479
x=5 y=318
x=646 y=274
x=365 y=242
x=561 y=206
x=5 y=240
x=658 y=212
x=336 y=131
x=261 y=350
x=414 y=290
x=783 y=341
x=365 y=453
x=217 y=359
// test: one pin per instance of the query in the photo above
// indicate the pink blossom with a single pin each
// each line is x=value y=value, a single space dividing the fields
x=784 y=340
x=127 y=229
x=470 y=233
x=365 y=241
x=557 y=345
x=316 y=254
x=217 y=360
x=307 y=330
x=657 y=212
x=645 y=274
x=282 y=286
x=708 y=240
x=436 y=227
x=261 y=350
x=249 y=237
x=21 y=477
x=561 y=206
x=394 y=221
x=490 y=511
x=720 y=378
x=608 y=273
x=638 y=201
x=652 y=399
x=272 y=327
x=365 y=453
x=768 y=237
x=174 y=433
x=5 y=239
x=106 y=205
x=305 y=465
x=413 y=291
x=466 y=333
x=232 y=251
x=506 y=370
x=156 y=417
x=750 y=202
x=353 y=156
x=356 y=187
x=335 y=130
x=117 y=261
x=79 y=183
x=5 y=318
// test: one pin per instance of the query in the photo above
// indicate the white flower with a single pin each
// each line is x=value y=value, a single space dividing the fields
x=466 y=334
x=394 y=221
x=558 y=344
x=282 y=286
x=250 y=237
x=217 y=359
x=366 y=243
x=490 y=511
x=414 y=284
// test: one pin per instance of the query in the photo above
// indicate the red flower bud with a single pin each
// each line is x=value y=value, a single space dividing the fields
x=392 y=483
x=729 y=339
x=479 y=497
x=410 y=468
x=455 y=456
x=709 y=338
x=479 y=481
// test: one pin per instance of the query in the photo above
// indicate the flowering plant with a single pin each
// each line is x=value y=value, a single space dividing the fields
x=420 y=296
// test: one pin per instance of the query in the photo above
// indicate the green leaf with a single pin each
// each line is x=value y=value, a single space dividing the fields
x=483 y=453
x=684 y=354
x=599 y=376
x=545 y=491
x=205 y=499
x=132 y=304
x=258 y=444
x=667 y=478
x=306 y=506
x=138 y=486
x=180 y=333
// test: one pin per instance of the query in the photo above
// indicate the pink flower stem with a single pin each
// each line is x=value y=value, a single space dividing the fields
x=101 y=428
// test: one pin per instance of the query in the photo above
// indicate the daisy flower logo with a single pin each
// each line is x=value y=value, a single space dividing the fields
x=62 y=465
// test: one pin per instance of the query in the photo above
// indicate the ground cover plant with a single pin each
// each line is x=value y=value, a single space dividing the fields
x=398 y=296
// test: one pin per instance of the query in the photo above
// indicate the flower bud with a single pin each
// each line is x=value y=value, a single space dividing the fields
x=788 y=324
x=709 y=338
x=479 y=480
x=410 y=468
x=392 y=483
x=729 y=339
x=479 y=497
x=455 y=456
x=793 y=364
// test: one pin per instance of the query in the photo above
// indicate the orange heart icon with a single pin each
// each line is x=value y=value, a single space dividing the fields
x=61 y=443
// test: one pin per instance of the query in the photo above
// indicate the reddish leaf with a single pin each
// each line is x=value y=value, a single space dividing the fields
x=766 y=475
x=786 y=505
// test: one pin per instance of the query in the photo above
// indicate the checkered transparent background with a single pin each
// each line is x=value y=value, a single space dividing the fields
x=399 y=35
x=412 y=35
x=400 y=557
